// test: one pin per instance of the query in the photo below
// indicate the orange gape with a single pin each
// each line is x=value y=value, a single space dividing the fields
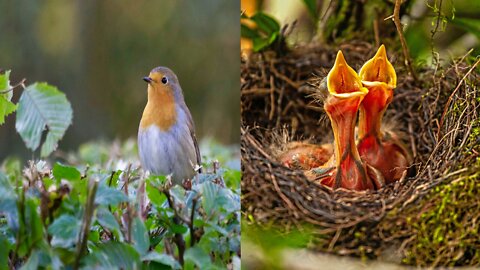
x=382 y=151
x=346 y=169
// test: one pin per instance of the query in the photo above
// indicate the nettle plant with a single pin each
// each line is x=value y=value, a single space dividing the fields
x=98 y=210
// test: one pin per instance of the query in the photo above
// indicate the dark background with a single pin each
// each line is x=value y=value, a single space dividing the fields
x=96 y=52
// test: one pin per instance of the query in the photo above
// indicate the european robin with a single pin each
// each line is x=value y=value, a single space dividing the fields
x=166 y=135
x=346 y=169
x=384 y=151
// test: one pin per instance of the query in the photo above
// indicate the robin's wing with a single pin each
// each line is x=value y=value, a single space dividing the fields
x=191 y=127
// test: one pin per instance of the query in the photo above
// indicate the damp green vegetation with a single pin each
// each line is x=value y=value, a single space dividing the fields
x=444 y=225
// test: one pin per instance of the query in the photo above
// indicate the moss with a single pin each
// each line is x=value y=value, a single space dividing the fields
x=444 y=224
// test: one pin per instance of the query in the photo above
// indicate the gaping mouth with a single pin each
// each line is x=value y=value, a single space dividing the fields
x=378 y=70
x=342 y=80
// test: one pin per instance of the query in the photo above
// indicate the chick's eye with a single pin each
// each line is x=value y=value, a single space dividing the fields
x=164 y=80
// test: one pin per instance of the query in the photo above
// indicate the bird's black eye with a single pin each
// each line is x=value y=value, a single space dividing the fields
x=164 y=80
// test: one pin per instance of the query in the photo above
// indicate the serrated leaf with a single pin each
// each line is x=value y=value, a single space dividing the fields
x=165 y=259
x=140 y=237
x=61 y=171
x=43 y=106
x=64 y=231
x=6 y=108
x=109 y=196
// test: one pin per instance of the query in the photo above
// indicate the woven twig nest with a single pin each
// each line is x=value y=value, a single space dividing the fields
x=436 y=114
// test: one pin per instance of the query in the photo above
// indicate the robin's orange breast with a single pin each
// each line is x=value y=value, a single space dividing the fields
x=160 y=110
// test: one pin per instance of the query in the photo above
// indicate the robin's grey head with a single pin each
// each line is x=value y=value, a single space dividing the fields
x=164 y=79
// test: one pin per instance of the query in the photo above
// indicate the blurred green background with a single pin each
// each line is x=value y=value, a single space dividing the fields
x=98 y=51
x=456 y=23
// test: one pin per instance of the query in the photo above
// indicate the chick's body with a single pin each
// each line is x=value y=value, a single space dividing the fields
x=166 y=135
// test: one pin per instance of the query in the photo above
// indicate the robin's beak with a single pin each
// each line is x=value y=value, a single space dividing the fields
x=147 y=79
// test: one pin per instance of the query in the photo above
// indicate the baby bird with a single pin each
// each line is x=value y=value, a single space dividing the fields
x=166 y=135
x=345 y=169
x=383 y=151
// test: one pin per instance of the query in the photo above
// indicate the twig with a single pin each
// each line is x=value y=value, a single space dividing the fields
x=179 y=241
x=453 y=93
x=87 y=219
x=192 y=216
x=398 y=25
x=21 y=83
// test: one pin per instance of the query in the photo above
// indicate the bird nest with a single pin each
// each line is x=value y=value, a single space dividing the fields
x=438 y=115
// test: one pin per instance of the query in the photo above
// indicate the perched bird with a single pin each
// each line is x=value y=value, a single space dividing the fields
x=384 y=151
x=345 y=169
x=166 y=135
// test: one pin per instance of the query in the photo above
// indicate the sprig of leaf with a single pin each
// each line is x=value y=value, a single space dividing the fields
x=265 y=32
x=6 y=105
x=43 y=106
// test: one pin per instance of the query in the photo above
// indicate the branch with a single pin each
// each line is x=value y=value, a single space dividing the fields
x=87 y=219
x=21 y=83
x=398 y=25
x=179 y=241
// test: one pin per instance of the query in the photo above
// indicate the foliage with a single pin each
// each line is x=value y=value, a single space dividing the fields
x=41 y=106
x=262 y=29
x=95 y=217
x=97 y=208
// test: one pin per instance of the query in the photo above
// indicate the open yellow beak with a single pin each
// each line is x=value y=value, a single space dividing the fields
x=379 y=70
x=342 y=80
x=345 y=96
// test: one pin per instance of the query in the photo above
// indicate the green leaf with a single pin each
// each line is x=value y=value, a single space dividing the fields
x=108 y=221
x=43 y=106
x=140 y=237
x=209 y=192
x=65 y=172
x=156 y=197
x=266 y=23
x=198 y=256
x=164 y=259
x=260 y=43
x=470 y=25
x=247 y=32
x=33 y=224
x=64 y=231
x=4 y=252
x=312 y=8
x=32 y=262
x=112 y=255
x=109 y=196
x=6 y=106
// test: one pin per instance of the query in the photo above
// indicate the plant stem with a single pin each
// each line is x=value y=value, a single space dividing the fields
x=22 y=83
x=398 y=25
x=179 y=241
x=87 y=219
